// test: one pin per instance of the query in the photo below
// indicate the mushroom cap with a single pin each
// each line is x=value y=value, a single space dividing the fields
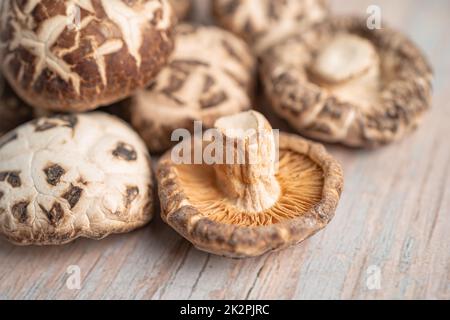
x=210 y=74
x=69 y=176
x=340 y=82
x=72 y=56
x=13 y=111
x=311 y=183
x=181 y=7
x=265 y=22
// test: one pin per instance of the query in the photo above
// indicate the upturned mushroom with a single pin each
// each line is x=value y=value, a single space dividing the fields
x=210 y=74
x=67 y=55
x=69 y=176
x=181 y=7
x=247 y=207
x=341 y=82
x=262 y=23
x=13 y=111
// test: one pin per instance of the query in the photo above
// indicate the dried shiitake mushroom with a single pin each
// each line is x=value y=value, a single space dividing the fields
x=210 y=74
x=245 y=209
x=67 y=55
x=265 y=22
x=181 y=7
x=13 y=111
x=341 y=82
x=70 y=176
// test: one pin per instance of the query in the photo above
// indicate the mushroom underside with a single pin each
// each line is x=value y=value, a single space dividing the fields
x=301 y=181
x=348 y=84
x=354 y=70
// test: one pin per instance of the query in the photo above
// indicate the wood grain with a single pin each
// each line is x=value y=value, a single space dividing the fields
x=394 y=214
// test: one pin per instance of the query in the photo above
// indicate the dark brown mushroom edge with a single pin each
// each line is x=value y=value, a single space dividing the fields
x=343 y=83
x=182 y=8
x=13 y=112
x=246 y=210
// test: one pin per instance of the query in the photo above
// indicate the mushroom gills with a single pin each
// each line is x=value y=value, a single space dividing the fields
x=349 y=67
x=260 y=192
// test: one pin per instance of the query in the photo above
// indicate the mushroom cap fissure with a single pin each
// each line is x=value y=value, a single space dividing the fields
x=192 y=203
x=344 y=58
x=209 y=75
x=63 y=55
x=265 y=22
x=71 y=182
x=379 y=104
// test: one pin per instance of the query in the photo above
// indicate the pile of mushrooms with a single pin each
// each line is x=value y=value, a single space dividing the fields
x=67 y=175
x=68 y=172
x=196 y=85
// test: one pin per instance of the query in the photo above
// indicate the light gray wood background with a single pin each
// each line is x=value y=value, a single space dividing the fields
x=394 y=216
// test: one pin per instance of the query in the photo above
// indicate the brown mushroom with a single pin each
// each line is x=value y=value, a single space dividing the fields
x=263 y=23
x=13 y=112
x=341 y=82
x=245 y=209
x=67 y=55
x=181 y=7
x=210 y=74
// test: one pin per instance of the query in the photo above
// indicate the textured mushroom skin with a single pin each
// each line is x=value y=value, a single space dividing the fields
x=55 y=60
x=264 y=22
x=181 y=7
x=70 y=176
x=405 y=94
x=209 y=75
x=240 y=241
x=13 y=111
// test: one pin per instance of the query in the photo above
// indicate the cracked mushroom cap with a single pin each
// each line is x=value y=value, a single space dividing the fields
x=210 y=74
x=181 y=8
x=343 y=83
x=13 y=112
x=70 y=176
x=67 y=55
x=265 y=22
x=248 y=209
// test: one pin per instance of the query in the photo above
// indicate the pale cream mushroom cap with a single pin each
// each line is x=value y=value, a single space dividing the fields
x=210 y=74
x=69 y=176
x=263 y=23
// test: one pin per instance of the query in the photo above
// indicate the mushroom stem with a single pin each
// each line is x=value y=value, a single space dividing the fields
x=248 y=174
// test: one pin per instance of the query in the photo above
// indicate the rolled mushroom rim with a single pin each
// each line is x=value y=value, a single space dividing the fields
x=244 y=241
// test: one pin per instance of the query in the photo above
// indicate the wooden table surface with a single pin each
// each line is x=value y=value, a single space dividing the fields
x=392 y=224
